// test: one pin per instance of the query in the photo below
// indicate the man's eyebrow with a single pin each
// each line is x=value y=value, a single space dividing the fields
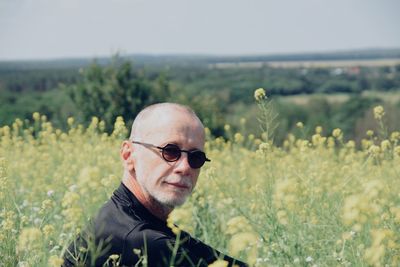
x=179 y=144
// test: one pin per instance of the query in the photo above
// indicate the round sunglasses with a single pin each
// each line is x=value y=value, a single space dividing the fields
x=172 y=152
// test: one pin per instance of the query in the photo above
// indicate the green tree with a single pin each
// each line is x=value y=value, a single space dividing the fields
x=116 y=90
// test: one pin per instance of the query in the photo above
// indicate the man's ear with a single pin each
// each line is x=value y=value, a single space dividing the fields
x=126 y=155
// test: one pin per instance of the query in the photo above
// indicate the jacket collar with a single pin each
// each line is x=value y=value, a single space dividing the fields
x=126 y=198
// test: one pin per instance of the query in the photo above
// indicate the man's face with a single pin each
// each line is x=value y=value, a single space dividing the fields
x=170 y=183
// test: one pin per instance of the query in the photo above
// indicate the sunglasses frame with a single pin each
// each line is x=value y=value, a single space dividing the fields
x=162 y=149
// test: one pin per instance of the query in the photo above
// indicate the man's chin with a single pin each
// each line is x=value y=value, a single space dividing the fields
x=172 y=201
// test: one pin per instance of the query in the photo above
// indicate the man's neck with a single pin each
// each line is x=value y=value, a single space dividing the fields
x=152 y=205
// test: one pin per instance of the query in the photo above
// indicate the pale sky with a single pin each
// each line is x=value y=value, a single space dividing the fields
x=45 y=29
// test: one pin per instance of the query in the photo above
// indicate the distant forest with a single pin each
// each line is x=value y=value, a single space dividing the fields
x=220 y=89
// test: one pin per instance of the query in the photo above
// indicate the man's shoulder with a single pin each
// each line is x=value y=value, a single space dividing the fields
x=119 y=229
x=131 y=236
x=114 y=217
x=123 y=219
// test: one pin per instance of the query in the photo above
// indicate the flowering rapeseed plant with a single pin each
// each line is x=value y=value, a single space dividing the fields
x=259 y=94
x=319 y=200
x=379 y=112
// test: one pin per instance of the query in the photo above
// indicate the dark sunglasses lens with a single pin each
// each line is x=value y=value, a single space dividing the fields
x=171 y=152
x=196 y=159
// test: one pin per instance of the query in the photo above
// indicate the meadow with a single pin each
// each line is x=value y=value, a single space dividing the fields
x=318 y=200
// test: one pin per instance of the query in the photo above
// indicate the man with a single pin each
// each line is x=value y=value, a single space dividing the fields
x=162 y=161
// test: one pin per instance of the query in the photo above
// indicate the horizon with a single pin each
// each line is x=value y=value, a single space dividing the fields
x=205 y=55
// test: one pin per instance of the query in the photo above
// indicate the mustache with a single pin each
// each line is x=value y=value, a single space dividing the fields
x=182 y=181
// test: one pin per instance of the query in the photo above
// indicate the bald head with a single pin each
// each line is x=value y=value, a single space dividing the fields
x=163 y=113
x=163 y=180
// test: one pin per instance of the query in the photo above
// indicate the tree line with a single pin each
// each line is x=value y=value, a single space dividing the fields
x=220 y=96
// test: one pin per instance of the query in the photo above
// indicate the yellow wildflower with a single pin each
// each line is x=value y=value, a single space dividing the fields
x=286 y=144
x=374 y=254
x=394 y=136
x=36 y=116
x=182 y=217
x=299 y=125
x=351 y=144
x=241 y=242
x=264 y=147
x=55 y=261
x=374 y=150
x=48 y=230
x=94 y=122
x=69 y=199
x=366 y=144
x=47 y=204
x=259 y=94
x=385 y=145
x=102 y=125
x=395 y=211
x=318 y=130
x=337 y=133
x=317 y=139
x=397 y=150
x=175 y=229
x=379 y=112
x=238 y=138
x=120 y=130
x=285 y=194
x=70 y=121
x=237 y=224
x=29 y=240
x=8 y=222
x=219 y=263
x=351 y=211
x=370 y=133
x=177 y=216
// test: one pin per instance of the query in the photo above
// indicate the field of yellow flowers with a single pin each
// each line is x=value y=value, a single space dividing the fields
x=316 y=201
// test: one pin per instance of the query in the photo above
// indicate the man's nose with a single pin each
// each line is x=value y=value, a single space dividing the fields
x=182 y=165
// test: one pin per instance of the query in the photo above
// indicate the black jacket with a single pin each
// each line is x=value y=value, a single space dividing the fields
x=124 y=224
